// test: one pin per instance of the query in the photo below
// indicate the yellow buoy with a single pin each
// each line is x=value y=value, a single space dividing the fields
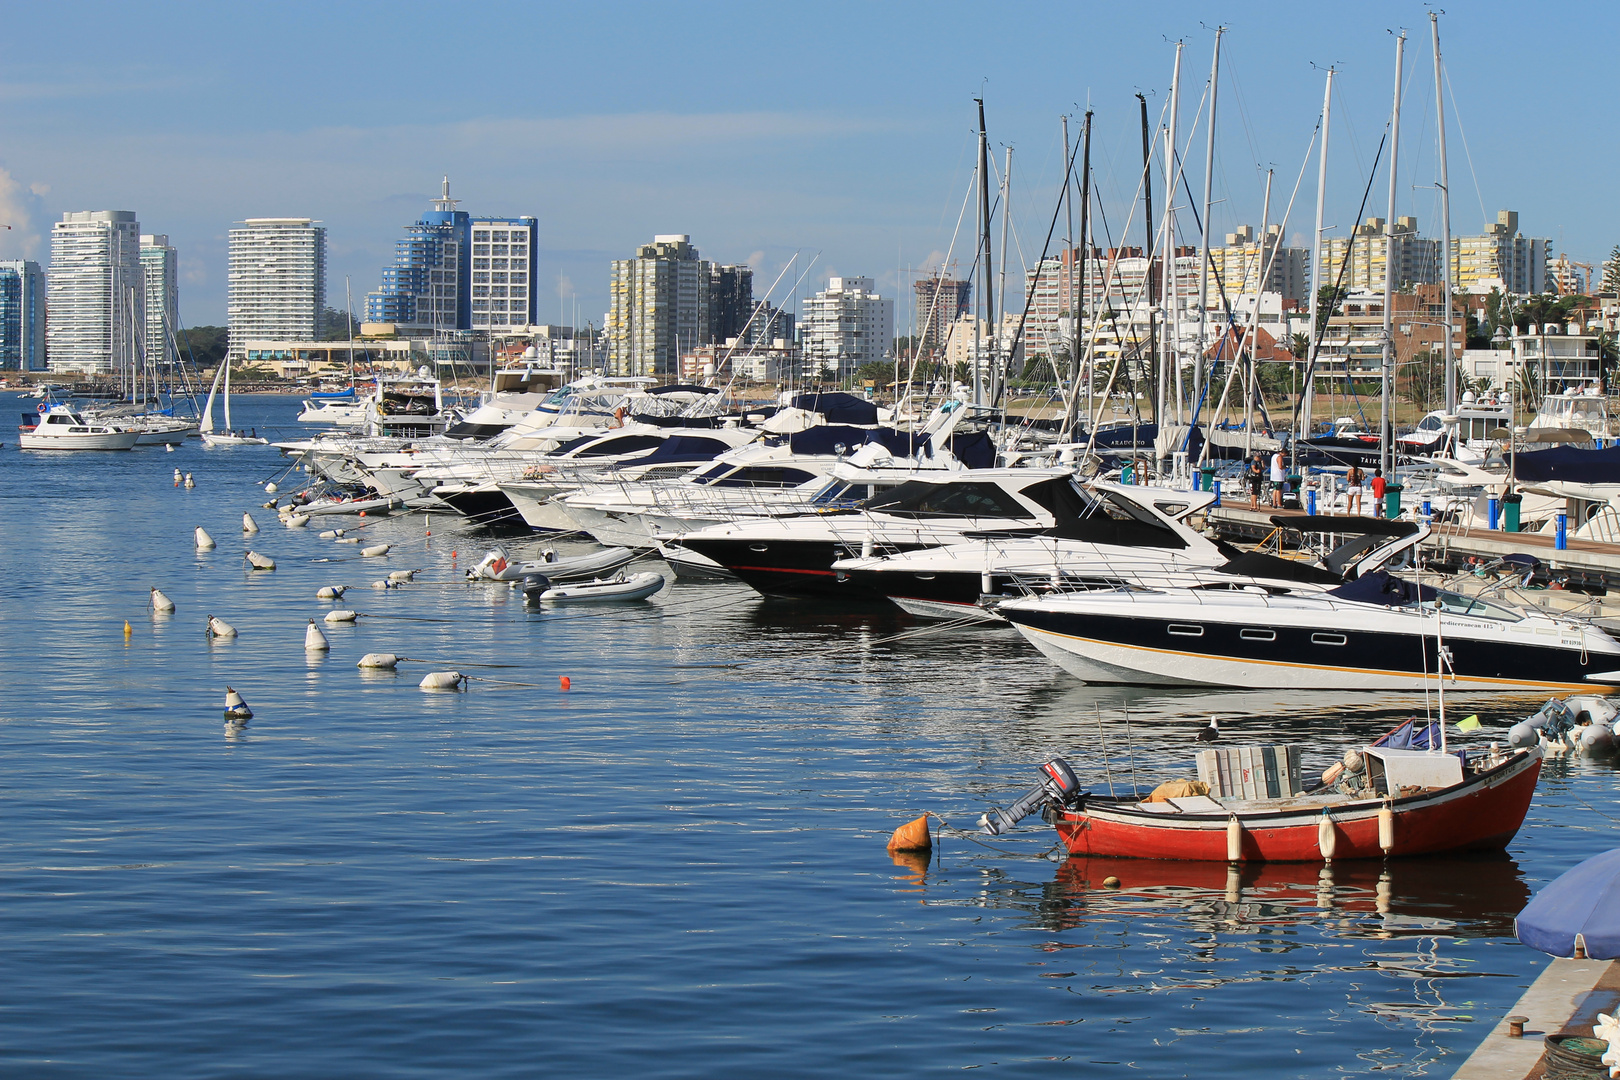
x=128 y=629
x=912 y=836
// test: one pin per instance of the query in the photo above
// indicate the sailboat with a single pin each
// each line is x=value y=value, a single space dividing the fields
x=229 y=437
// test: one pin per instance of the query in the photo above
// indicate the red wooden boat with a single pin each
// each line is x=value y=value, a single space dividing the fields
x=1458 y=802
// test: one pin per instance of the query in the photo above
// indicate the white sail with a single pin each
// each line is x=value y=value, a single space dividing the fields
x=206 y=424
x=227 y=366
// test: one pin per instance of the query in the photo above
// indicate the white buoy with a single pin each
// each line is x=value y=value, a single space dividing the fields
x=190 y=483
x=442 y=680
x=342 y=615
x=248 y=524
x=297 y=521
x=178 y=476
x=403 y=575
x=204 y=541
x=328 y=534
x=332 y=592
x=271 y=505
x=161 y=602
x=270 y=488
x=260 y=562
x=384 y=583
x=169 y=446
x=236 y=710
x=218 y=627
x=314 y=640
x=375 y=550
x=386 y=660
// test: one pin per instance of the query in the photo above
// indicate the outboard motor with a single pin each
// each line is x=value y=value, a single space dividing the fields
x=1058 y=784
x=533 y=586
x=1553 y=719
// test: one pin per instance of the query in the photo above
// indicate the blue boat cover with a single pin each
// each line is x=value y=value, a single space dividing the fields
x=827 y=438
x=684 y=448
x=1584 y=901
x=1570 y=464
x=975 y=449
x=838 y=408
x=1378 y=587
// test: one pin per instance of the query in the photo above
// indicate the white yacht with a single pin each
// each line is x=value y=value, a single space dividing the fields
x=60 y=428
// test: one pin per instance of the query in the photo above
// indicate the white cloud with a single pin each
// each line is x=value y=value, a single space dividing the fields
x=19 y=208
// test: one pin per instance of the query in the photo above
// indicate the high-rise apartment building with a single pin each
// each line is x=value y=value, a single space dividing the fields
x=731 y=300
x=429 y=285
x=1238 y=265
x=768 y=325
x=504 y=291
x=659 y=306
x=159 y=269
x=940 y=302
x=276 y=281
x=1499 y=259
x=1417 y=258
x=97 y=299
x=846 y=325
x=22 y=316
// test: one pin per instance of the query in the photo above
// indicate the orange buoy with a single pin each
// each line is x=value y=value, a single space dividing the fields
x=912 y=836
x=564 y=683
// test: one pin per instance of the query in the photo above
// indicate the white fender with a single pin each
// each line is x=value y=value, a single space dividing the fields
x=384 y=660
x=341 y=615
x=249 y=526
x=218 y=627
x=314 y=640
x=1327 y=837
x=442 y=680
x=332 y=592
x=204 y=541
x=375 y=550
x=260 y=562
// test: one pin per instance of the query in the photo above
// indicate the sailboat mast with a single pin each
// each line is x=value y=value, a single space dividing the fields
x=1445 y=216
x=986 y=275
x=1251 y=384
x=1081 y=264
x=1147 y=244
x=1006 y=193
x=1385 y=419
x=1172 y=362
x=1204 y=263
x=1318 y=272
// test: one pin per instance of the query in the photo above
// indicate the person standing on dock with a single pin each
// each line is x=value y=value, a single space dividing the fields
x=1278 y=477
x=1257 y=479
x=1353 y=480
x=1378 y=485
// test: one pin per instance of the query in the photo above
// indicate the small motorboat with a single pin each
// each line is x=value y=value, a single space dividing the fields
x=1403 y=795
x=232 y=438
x=498 y=565
x=57 y=427
x=634 y=587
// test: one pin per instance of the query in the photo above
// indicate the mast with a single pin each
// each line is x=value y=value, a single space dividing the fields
x=1172 y=362
x=1066 y=301
x=1445 y=216
x=227 y=363
x=1085 y=252
x=1006 y=193
x=986 y=271
x=1147 y=241
x=1384 y=415
x=1204 y=262
x=348 y=308
x=1252 y=383
x=1318 y=275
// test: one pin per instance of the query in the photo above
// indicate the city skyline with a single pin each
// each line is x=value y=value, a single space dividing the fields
x=861 y=176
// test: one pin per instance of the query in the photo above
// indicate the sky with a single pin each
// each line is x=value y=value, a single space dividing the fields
x=806 y=140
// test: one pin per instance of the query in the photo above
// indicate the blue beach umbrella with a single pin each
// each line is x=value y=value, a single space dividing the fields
x=1582 y=906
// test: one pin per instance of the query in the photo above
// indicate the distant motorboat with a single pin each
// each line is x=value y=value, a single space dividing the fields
x=58 y=427
x=621 y=588
x=497 y=565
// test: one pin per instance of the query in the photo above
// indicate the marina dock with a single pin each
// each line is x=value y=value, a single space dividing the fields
x=1564 y=1000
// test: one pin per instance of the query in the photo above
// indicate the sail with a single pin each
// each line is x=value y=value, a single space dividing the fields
x=206 y=424
x=227 y=366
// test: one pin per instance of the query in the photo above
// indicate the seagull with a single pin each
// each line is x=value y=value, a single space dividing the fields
x=1209 y=734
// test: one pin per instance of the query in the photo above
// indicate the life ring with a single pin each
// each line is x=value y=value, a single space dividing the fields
x=43 y=408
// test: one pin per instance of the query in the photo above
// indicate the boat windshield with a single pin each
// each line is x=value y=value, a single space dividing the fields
x=1472 y=606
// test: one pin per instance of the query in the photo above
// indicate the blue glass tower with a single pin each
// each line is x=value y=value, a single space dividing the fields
x=427 y=286
x=22 y=316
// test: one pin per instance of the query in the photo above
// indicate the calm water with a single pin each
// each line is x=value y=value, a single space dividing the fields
x=675 y=868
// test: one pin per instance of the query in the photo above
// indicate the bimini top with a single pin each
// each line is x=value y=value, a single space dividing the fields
x=1378 y=587
x=1344 y=523
x=1569 y=464
x=838 y=408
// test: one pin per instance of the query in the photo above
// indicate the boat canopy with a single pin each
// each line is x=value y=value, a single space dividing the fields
x=838 y=408
x=1570 y=465
x=1380 y=587
x=1258 y=564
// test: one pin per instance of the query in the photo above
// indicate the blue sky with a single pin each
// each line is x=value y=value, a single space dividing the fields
x=840 y=131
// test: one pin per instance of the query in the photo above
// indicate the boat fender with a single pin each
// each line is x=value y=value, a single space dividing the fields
x=384 y=660
x=314 y=640
x=403 y=575
x=342 y=615
x=248 y=524
x=161 y=602
x=1331 y=774
x=270 y=488
x=260 y=562
x=442 y=680
x=375 y=550
x=1234 y=839
x=1386 y=829
x=204 y=541
x=331 y=592
x=347 y=539
x=297 y=521
x=1353 y=763
x=912 y=836
x=218 y=627
x=236 y=710
x=329 y=534
x=1327 y=837
x=985 y=583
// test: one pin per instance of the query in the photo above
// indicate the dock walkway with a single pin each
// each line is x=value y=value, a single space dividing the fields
x=1564 y=1000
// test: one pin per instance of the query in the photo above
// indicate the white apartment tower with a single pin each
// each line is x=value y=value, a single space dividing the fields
x=659 y=307
x=97 y=298
x=503 y=285
x=846 y=325
x=276 y=285
x=162 y=295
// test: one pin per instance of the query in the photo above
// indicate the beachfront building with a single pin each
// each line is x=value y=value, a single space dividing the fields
x=1237 y=266
x=161 y=274
x=428 y=284
x=1500 y=258
x=731 y=300
x=658 y=307
x=275 y=281
x=1417 y=258
x=940 y=302
x=97 y=300
x=845 y=325
x=22 y=316
x=504 y=292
